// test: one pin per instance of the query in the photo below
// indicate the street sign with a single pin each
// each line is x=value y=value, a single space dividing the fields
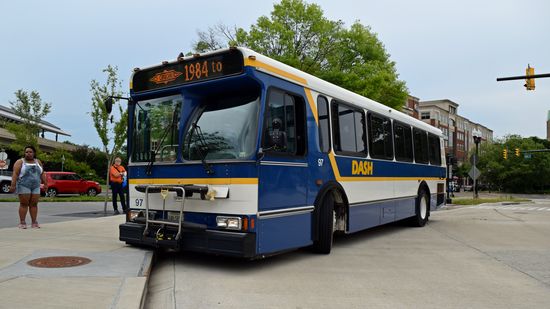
x=474 y=173
x=3 y=156
x=527 y=155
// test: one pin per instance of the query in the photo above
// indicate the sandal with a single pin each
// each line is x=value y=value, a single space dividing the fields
x=22 y=225
x=35 y=225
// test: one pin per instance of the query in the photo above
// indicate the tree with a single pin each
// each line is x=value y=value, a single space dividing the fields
x=31 y=109
x=111 y=132
x=298 y=34
x=516 y=174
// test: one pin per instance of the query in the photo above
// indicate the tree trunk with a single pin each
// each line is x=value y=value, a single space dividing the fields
x=107 y=182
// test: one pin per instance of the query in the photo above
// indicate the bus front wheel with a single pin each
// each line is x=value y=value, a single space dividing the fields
x=325 y=232
x=422 y=209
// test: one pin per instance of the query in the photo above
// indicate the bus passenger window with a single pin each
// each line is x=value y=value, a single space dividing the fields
x=348 y=130
x=380 y=137
x=324 y=126
x=285 y=124
x=435 y=149
x=402 y=137
x=420 y=146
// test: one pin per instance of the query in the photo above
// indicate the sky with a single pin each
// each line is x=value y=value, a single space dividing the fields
x=442 y=49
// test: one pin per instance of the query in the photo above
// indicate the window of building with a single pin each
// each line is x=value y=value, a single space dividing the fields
x=434 y=149
x=380 y=137
x=324 y=124
x=284 y=128
x=420 y=139
x=402 y=136
x=425 y=115
x=452 y=110
x=348 y=130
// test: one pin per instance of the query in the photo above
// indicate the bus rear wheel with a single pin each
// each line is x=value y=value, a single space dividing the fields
x=325 y=232
x=422 y=209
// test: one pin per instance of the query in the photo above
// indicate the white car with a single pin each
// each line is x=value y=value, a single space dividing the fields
x=5 y=182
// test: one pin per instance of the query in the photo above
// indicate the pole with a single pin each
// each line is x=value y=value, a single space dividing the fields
x=502 y=79
x=476 y=195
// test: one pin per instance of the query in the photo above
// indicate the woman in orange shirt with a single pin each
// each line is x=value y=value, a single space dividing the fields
x=116 y=177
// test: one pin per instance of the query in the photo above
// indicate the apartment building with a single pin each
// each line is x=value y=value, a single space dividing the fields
x=459 y=130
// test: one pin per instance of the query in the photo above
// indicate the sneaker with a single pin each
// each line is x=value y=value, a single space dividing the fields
x=22 y=225
x=116 y=212
x=35 y=225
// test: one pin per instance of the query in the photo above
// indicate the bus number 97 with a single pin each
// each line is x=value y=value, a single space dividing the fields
x=139 y=202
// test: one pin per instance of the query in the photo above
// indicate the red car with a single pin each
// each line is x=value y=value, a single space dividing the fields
x=69 y=183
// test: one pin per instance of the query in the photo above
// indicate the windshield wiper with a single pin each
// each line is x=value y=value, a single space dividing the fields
x=202 y=146
x=154 y=153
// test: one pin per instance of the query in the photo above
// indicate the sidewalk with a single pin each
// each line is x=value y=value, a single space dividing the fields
x=116 y=277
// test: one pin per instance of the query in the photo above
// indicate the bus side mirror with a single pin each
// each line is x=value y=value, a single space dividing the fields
x=109 y=104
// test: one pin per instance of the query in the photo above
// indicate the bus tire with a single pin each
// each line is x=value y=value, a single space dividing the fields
x=422 y=209
x=325 y=225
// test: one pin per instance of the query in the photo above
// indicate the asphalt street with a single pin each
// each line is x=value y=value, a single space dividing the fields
x=49 y=212
x=489 y=256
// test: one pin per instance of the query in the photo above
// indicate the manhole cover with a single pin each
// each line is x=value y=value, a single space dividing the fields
x=59 y=261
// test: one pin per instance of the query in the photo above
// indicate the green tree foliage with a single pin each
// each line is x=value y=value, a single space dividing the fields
x=64 y=160
x=111 y=131
x=298 y=34
x=31 y=109
x=516 y=174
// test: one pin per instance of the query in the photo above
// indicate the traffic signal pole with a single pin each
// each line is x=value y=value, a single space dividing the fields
x=502 y=79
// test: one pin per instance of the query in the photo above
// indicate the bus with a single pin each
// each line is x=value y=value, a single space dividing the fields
x=234 y=153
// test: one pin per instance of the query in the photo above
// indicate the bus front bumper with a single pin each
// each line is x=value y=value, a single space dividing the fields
x=199 y=240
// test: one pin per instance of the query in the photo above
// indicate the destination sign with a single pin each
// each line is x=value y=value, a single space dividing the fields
x=189 y=71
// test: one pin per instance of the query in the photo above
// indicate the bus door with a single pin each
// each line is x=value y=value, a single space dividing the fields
x=283 y=175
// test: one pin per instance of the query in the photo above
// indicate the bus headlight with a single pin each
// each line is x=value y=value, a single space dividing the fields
x=132 y=214
x=231 y=223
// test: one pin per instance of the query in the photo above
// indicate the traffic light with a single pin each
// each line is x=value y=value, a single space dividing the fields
x=505 y=154
x=517 y=152
x=529 y=82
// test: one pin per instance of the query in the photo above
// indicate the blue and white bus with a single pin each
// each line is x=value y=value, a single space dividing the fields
x=234 y=153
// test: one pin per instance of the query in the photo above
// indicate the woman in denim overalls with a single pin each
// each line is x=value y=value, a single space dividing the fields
x=27 y=174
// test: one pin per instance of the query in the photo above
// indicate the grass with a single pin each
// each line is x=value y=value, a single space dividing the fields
x=471 y=201
x=76 y=198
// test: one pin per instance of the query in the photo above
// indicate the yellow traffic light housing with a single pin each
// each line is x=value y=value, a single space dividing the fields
x=505 y=154
x=517 y=152
x=529 y=82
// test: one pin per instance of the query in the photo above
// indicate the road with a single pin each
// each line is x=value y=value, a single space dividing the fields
x=53 y=212
x=488 y=256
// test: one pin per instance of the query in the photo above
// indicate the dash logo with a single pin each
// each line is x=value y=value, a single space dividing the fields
x=364 y=168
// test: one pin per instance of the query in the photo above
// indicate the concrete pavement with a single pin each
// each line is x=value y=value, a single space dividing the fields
x=116 y=277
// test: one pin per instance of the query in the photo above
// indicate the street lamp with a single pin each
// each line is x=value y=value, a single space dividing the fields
x=477 y=139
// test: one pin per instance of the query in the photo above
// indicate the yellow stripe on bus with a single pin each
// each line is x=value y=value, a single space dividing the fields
x=259 y=64
x=183 y=181
x=312 y=105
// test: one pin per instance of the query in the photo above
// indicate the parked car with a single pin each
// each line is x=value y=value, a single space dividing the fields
x=5 y=183
x=69 y=183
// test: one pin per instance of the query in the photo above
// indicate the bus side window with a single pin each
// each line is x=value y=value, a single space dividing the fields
x=284 y=131
x=420 y=146
x=435 y=149
x=402 y=137
x=348 y=130
x=324 y=124
x=380 y=137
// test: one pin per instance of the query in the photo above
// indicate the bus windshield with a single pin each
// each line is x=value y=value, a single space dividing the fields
x=224 y=129
x=156 y=129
